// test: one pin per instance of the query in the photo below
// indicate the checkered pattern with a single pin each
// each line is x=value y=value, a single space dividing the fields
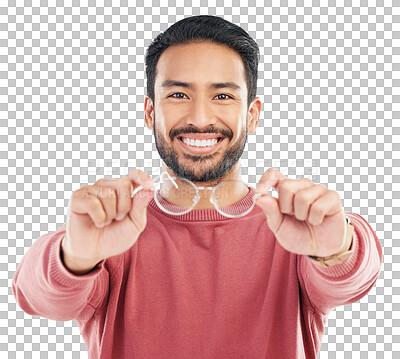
x=72 y=86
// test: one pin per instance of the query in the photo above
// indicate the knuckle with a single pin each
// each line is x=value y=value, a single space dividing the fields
x=301 y=197
x=99 y=182
x=111 y=193
x=135 y=174
x=317 y=209
x=286 y=186
x=97 y=191
x=80 y=190
x=81 y=193
x=103 y=180
x=124 y=184
x=102 y=218
x=124 y=206
x=272 y=173
x=123 y=194
x=122 y=211
x=93 y=203
x=76 y=194
x=337 y=195
x=106 y=193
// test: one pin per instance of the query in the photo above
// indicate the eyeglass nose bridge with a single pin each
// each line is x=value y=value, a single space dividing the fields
x=211 y=197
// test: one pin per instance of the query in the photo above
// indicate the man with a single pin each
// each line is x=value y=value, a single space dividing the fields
x=144 y=282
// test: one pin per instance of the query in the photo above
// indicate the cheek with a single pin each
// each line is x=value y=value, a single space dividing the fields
x=238 y=127
x=238 y=135
x=163 y=119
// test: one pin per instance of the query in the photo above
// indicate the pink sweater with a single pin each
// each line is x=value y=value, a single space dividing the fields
x=198 y=285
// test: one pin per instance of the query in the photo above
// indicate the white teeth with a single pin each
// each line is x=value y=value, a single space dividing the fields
x=198 y=143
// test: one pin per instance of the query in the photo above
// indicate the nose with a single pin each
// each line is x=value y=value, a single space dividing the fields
x=201 y=113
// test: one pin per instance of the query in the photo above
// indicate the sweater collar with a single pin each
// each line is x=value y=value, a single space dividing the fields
x=198 y=215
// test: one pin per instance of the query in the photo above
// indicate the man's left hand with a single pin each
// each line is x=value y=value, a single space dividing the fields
x=306 y=218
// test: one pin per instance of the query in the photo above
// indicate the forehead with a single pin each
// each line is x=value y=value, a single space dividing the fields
x=201 y=63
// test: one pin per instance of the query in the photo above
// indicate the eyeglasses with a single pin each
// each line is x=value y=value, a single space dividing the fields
x=181 y=188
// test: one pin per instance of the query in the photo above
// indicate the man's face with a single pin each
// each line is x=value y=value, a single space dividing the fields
x=201 y=93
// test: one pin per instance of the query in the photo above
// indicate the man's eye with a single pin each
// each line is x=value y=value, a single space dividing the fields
x=179 y=95
x=224 y=96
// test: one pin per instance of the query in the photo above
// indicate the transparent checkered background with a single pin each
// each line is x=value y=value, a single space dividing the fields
x=72 y=86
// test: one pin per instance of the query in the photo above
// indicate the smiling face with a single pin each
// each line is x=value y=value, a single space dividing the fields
x=200 y=115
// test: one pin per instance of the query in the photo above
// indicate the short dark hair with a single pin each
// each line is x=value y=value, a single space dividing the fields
x=205 y=28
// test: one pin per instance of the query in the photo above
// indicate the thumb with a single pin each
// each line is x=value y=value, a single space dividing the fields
x=138 y=212
x=270 y=207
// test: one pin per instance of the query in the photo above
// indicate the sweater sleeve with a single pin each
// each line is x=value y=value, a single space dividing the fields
x=43 y=286
x=347 y=282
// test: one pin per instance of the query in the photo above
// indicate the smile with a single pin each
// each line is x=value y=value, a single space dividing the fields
x=200 y=146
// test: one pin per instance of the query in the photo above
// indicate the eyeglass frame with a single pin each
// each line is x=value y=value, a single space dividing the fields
x=196 y=198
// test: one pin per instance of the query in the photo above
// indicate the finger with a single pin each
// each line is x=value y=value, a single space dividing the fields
x=139 y=178
x=327 y=205
x=271 y=178
x=287 y=191
x=138 y=212
x=122 y=188
x=105 y=192
x=304 y=198
x=124 y=198
x=270 y=207
x=83 y=202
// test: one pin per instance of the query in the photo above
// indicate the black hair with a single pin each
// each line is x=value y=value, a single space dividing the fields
x=205 y=28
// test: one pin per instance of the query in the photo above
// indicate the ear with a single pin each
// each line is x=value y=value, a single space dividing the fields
x=254 y=114
x=148 y=113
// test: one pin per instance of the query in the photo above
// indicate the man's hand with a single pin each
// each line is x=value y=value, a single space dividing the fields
x=104 y=220
x=306 y=218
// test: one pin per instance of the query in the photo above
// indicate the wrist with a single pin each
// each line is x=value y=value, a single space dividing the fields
x=73 y=264
x=344 y=253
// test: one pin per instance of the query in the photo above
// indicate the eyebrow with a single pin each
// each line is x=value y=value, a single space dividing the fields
x=214 y=85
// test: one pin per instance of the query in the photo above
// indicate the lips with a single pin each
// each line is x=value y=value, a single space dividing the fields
x=198 y=150
x=181 y=138
x=201 y=136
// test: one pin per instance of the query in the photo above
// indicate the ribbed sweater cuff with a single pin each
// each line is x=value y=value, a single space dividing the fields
x=345 y=267
x=59 y=273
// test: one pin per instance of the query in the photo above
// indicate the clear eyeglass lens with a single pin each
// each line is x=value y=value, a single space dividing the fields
x=224 y=192
x=178 y=199
x=181 y=198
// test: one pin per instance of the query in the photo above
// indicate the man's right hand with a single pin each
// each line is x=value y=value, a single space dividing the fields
x=104 y=221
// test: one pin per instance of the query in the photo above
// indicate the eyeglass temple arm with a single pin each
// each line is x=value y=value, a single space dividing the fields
x=166 y=173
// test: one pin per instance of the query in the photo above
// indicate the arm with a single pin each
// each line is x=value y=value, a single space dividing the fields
x=347 y=282
x=42 y=284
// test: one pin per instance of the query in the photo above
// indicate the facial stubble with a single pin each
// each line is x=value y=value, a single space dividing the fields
x=202 y=168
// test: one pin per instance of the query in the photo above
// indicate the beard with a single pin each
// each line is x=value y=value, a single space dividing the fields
x=202 y=168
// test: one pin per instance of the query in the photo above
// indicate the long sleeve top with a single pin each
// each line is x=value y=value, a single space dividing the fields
x=198 y=285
